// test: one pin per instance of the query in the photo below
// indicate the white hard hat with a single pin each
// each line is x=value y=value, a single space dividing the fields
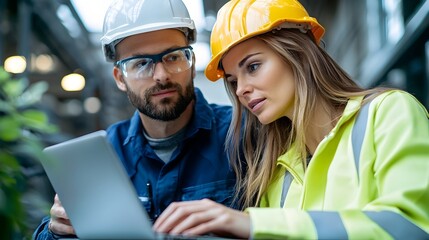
x=125 y=18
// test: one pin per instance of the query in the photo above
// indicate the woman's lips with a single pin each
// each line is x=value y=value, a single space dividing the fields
x=256 y=104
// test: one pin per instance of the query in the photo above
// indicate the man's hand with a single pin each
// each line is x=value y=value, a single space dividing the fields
x=60 y=223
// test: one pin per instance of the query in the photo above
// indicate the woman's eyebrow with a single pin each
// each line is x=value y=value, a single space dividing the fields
x=241 y=63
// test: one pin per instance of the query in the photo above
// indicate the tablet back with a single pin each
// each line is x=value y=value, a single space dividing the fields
x=95 y=189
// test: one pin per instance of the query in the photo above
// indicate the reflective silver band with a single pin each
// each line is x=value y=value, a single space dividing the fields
x=358 y=133
x=397 y=225
x=328 y=225
x=286 y=185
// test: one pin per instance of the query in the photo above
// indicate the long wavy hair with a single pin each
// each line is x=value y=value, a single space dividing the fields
x=318 y=79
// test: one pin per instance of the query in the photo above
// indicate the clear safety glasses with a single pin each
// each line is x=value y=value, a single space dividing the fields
x=141 y=67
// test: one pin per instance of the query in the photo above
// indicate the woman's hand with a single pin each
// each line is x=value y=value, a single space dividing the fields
x=60 y=223
x=203 y=217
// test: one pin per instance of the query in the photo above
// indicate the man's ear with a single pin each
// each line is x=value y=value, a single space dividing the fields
x=117 y=74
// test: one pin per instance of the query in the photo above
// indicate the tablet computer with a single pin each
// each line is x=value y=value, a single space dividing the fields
x=95 y=190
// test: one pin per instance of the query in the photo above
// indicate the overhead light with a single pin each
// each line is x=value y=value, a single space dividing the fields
x=15 y=64
x=73 y=82
x=43 y=63
x=71 y=108
x=92 y=104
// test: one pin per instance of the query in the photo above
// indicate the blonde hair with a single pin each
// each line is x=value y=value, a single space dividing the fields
x=317 y=78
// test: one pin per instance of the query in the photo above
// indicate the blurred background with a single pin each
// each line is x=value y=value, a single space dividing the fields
x=378 y=42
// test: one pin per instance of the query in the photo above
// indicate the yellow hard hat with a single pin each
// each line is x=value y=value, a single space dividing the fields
x=239 y=20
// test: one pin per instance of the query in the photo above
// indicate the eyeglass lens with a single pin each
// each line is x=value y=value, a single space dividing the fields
x=143 y=66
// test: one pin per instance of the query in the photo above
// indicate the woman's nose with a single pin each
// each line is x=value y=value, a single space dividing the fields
x=242 y=88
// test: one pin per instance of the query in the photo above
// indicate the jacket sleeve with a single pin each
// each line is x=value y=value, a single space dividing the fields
x=398 y=131
x=42 y=232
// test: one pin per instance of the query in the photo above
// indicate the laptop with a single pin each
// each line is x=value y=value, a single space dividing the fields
x=96 y=192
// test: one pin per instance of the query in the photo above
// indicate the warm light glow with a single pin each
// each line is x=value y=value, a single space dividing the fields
x=92 y=105
x=71 y=108
x=44 y=63
x=15 y=64
x=73 y=82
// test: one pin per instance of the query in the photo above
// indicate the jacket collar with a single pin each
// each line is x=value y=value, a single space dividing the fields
x=291 y=159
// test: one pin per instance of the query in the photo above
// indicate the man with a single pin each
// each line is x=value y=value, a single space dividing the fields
x=173 y=146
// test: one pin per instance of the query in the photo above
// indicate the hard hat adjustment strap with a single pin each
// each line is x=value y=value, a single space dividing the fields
x=303 y=27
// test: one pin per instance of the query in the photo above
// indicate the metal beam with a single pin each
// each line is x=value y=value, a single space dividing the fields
x=75 y=52
x=426 y=84
x=24 y=30
x=377 y=66
x=2 y=34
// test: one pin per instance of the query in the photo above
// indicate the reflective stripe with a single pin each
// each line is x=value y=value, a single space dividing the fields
x=328 y=225
x=397 y=225
x=358 y=133
x=287 y=180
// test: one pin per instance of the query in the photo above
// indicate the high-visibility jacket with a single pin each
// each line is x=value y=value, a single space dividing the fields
x=382 y=195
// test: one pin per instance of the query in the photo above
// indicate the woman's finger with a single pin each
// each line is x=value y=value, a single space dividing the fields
x=176 y=212
x=224 y=222
x=193 y=219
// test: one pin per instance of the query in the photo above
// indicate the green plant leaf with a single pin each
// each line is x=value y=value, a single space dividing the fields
x=10 y=129
x=36 y=120
x=8 y=160
x=6 y=107
x=19 y=126
x=32 y=95
x=14 y=88
x=32 y=116
x=10 y=168
x=8 y=180
x=4 y=76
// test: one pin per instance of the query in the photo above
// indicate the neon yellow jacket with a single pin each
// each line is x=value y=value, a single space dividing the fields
x=385 y=197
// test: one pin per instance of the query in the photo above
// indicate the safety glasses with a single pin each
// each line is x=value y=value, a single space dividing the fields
x=141 y=67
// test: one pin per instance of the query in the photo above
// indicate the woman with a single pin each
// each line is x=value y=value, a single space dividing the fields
x=300 y=105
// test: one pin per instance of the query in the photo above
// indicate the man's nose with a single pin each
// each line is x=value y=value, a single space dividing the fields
x=160 y=74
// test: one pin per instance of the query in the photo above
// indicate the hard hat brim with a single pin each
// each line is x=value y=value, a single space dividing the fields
x=212 y=71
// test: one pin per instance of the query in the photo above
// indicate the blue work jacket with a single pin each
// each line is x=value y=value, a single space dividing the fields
x=198 y=168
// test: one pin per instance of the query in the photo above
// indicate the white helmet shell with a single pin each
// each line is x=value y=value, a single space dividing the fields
x=125 y=18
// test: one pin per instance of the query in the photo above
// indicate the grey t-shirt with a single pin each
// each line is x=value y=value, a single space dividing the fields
x=164 y=147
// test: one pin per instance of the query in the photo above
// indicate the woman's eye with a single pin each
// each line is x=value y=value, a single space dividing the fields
x=253 y=67
x=231 y=81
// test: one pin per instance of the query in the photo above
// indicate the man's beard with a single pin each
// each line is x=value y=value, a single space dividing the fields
x=166 y=109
